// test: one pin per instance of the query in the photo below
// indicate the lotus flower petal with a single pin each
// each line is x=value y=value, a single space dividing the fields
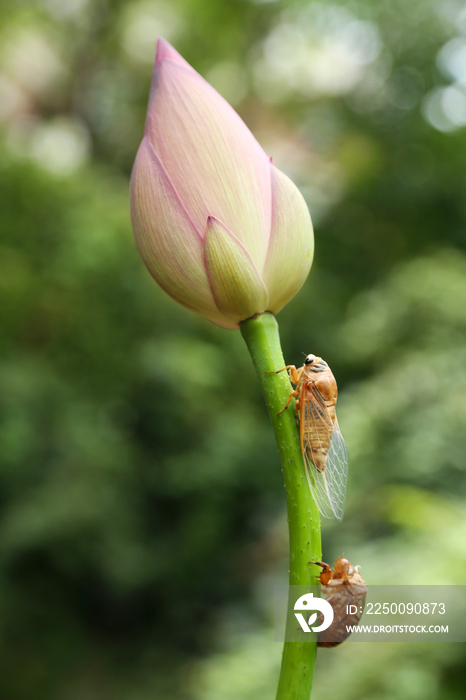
x=291 y=248
x=214 y=162
x=167 y=239
x=236 y=285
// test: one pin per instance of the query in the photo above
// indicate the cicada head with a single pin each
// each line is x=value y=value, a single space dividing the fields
x=316 y=364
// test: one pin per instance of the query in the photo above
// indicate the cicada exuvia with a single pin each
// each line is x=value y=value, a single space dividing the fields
x=345 y=590
x=324 y=450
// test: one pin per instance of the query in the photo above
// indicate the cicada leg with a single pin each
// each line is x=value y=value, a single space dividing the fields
x=297 y=409
x=326 y=573
x=293 y=393
x=294 y=373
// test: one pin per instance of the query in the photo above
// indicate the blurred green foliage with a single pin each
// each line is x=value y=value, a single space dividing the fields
x=142 y=521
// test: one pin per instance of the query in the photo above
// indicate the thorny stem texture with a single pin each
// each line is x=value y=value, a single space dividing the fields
x=263 y=341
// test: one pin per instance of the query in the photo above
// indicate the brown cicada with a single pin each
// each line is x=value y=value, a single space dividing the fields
x=345 y=590
x=324 y=450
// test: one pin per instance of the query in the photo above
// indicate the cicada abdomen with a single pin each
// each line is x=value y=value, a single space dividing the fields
x=324 y=452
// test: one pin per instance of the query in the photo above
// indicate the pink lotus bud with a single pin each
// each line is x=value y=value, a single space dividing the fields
x=220 y=228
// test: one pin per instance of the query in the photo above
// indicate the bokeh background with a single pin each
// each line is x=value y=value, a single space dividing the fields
x=142 y=510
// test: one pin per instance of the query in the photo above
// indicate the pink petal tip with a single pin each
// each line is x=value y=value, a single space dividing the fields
x=166 y=52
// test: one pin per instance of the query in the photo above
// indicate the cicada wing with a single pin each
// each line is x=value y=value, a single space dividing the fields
x=328 y=485
x=319 y=488
x=336 y=472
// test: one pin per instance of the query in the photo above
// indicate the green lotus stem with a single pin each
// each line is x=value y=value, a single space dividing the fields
x=262 y=338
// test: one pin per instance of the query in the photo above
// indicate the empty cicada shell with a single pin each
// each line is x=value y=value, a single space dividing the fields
x=345 y=590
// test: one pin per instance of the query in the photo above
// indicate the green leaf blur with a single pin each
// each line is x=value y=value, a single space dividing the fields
x=142 y=512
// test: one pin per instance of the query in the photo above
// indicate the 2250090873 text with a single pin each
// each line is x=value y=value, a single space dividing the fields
x=405 y=608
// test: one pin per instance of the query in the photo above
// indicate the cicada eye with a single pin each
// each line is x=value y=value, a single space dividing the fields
x=309 y=359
